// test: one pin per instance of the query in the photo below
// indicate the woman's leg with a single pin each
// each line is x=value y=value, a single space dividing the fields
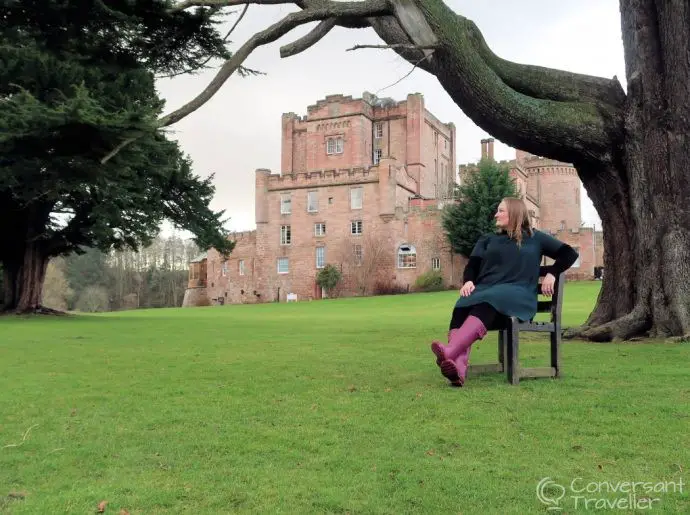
x=456 y=320
x=481 y=318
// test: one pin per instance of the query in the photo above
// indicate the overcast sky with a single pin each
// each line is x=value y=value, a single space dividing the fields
x=238 y=130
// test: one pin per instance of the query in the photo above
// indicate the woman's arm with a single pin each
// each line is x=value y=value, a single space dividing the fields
x=563 y=254
x=472 y=269
x=563 y=258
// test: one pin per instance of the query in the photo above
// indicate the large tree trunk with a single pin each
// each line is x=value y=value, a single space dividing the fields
x=652 y=296
x=656 y=37
x=23 y=278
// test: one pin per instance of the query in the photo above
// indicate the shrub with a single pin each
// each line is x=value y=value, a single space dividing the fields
x=429 y=281
x=328 y=277
x=387 y=287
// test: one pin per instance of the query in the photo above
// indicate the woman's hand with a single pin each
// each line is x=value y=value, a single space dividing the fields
x=467 y=288
x=547 y=285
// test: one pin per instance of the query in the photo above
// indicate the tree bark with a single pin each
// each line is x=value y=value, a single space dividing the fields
x=24 y=254
x=23 y=278
x=656 y=39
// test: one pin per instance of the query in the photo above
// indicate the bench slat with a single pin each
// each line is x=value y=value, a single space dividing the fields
x=539 y=327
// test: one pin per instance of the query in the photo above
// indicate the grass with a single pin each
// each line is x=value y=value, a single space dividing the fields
x=324 y=407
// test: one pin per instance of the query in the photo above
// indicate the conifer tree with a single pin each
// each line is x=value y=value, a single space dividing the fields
x=76 y=80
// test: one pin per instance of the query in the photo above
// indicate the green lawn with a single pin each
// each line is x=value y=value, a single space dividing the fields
x=325 y=407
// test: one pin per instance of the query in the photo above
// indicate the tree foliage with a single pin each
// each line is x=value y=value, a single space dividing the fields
x=328 y=277
x=477 y=200
x=77 y=79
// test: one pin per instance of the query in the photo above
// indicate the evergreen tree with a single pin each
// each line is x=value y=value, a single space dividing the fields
x=477 y=200
x=76 y=80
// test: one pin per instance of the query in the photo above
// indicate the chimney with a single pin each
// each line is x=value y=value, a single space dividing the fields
x=485 y=148
x=490 y=148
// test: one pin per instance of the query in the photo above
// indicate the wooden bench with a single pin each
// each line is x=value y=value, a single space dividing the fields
x=509 y=340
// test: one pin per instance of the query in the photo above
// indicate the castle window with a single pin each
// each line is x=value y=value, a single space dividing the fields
x=320 y=229
x=356 y=227
x=320 y=257
x=241 y=265
x=576 y=264
x=407 y=256
x=285 y=235
x=436 y=263
x=378 y=131
x=359 y=256
x=313 y=201
x=334 y=145
x=378 y=154
x=224 y=269
x=283 y=265
x=356 y=195
x=285 y=204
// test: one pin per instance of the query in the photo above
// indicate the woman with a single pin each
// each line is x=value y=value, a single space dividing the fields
x=500 y=281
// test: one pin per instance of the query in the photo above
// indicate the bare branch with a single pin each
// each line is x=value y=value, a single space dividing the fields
x=310 y=39
x=404 y=76
x=396 y=45
x=324 y=10
x=114 y=152
x=186 y=4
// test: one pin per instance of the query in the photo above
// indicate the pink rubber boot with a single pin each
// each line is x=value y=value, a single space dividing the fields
x=457 y=353
x=439 y=349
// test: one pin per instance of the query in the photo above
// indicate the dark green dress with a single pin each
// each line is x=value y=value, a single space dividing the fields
x=509 y=276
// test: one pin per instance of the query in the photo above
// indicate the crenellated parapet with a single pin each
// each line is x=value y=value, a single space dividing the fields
x=552 y=170
x=329 y=99
x=319 y=178
x=243 y=236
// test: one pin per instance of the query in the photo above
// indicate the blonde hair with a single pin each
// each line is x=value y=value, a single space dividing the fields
x=518 y=219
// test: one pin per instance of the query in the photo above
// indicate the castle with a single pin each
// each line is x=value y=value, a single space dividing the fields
x=362 y=185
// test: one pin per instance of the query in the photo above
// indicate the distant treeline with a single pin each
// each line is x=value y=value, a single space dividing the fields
x=154 y=277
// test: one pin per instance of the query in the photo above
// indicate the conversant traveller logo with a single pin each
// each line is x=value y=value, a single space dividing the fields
x=605 y=495
x=550 y=493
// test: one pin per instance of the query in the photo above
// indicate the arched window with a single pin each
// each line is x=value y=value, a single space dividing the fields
x=407 y=256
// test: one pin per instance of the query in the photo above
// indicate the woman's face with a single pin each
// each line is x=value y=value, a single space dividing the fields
x=501 y=216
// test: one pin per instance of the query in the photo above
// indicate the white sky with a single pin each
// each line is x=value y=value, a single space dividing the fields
x=239 y=130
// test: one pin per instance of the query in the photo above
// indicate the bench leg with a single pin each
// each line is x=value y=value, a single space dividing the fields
x=513 y=343
x=556 y=350
x=502 y=345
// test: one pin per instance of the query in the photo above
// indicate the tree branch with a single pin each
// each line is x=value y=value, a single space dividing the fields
x=394 y=46
x=403 y=77
x=186 y=4
x=313 y=37
x=570 y=117
x=548 y=83
x=326 y=9
x=117 y=149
